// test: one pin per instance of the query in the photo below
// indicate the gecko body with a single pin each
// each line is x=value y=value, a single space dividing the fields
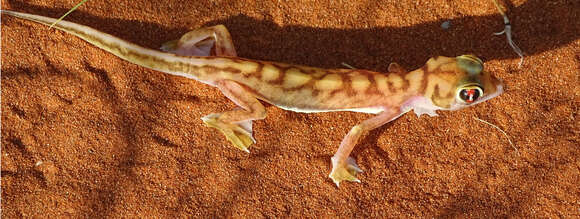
x=208 y=55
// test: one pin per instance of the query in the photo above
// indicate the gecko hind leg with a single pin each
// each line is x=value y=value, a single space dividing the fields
x=205 y=41
x=236 y=124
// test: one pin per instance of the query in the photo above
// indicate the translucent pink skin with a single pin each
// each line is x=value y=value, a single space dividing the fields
x=208 y=55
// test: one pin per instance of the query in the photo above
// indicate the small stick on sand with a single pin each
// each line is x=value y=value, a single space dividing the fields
x=506 y=135
x=508 y=33
x=347 y=65
x=68 y=12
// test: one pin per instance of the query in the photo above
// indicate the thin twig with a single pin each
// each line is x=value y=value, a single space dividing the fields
x=347 y=65
x=504 y=133
x=68 y=12
x=508 y=33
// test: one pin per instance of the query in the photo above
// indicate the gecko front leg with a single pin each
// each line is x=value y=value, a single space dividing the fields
x=236 y=125
x=343 y=166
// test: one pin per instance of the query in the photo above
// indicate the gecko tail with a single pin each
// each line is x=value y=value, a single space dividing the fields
x=149 y=58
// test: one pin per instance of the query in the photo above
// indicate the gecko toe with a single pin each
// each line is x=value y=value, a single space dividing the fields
x=344 y=171
x=235 y=134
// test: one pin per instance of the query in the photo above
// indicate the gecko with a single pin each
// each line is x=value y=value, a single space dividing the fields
x=208 y=55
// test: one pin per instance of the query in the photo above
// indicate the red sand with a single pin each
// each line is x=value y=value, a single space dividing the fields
x=87 y=134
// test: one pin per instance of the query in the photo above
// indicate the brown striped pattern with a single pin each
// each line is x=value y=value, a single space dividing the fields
x=285 y=85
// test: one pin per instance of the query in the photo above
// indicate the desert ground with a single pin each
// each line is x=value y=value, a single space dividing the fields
x=86 y=134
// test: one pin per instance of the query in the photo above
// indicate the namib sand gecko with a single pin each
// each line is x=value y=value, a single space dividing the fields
x=208 y=56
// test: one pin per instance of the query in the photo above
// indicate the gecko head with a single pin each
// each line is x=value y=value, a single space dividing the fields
x=460 y=82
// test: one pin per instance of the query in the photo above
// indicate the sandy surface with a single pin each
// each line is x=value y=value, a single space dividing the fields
x=87 y=134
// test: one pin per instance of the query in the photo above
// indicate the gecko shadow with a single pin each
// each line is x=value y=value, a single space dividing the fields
x=411 y=46
x=374 y=48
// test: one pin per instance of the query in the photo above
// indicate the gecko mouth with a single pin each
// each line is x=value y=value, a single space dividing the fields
x=498 y=91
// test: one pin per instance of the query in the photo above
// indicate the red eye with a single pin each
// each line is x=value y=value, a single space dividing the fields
x=470 y=94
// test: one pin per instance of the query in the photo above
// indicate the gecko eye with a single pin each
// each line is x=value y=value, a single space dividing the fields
x=469 y=94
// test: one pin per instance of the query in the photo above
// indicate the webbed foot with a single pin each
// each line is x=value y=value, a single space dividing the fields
x=344 y=171
x=238 y=134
